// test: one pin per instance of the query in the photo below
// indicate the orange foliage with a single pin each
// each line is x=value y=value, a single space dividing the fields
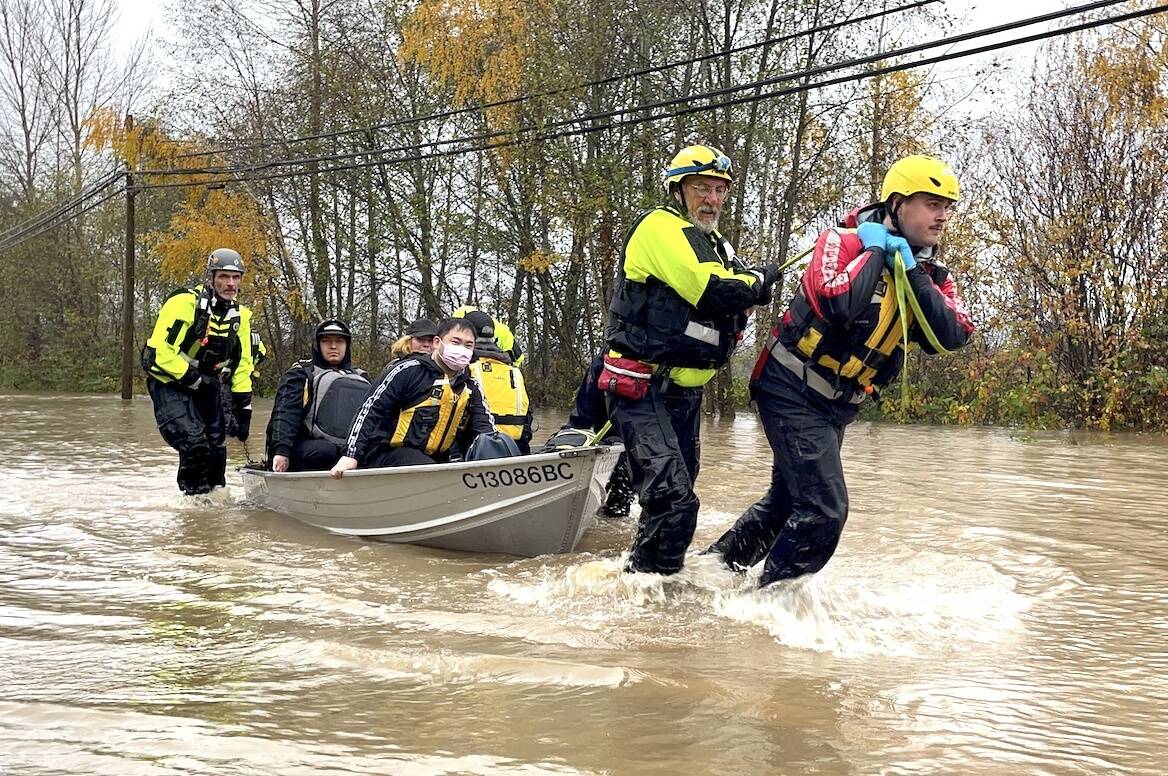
x=205 y=219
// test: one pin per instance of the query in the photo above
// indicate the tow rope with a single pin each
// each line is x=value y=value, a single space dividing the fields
x=600 y=433
x=901 y=284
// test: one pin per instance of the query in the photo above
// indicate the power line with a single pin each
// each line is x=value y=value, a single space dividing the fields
x=807 y=73
x=1046 y=34
x=17 y=232
x=12 y=242
x=565 y=89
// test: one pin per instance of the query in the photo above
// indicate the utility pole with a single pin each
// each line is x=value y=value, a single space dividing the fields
x=128 y=284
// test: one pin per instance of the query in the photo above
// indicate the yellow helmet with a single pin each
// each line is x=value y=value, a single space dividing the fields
x=916 y=174
x=503 y=335
x=697 y=160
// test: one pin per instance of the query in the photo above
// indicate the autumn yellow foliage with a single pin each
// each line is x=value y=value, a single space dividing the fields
x=205 y=219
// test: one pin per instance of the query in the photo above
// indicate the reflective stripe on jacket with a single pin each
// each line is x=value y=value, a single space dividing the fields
x=193 y=334
x=680 y=297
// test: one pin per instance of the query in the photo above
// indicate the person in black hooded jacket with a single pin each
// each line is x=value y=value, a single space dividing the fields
x=315 y=403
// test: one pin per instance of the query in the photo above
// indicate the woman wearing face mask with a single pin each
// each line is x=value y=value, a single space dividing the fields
x=418 y=407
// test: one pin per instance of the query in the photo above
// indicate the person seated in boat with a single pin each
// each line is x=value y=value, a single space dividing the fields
x=418 y=338
x=504 y=337
x=500 y=381
x=419 y=406
x=315 y=404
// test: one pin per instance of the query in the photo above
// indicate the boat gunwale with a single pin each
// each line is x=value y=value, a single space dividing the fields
x=575 y=452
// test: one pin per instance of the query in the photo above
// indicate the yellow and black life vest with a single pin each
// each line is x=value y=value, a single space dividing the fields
x=651 y=320
x=431 y=423
x=196 y=333
x=847 y=359
x=504 y=393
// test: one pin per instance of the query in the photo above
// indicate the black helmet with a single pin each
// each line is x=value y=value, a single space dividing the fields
x=334 y=326
x=484 y=324
x=225 y=260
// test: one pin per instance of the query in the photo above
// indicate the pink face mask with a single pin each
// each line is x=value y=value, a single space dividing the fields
x=456 y=357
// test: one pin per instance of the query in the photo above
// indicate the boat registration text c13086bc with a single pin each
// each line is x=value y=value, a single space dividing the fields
x=518 y=475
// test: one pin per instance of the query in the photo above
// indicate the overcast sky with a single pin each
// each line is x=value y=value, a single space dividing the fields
x=137 y=16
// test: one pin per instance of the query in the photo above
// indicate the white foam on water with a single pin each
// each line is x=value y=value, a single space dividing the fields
x=912 y=604
x=909 y=605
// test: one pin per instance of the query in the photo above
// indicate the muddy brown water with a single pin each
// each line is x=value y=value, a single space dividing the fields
x=997 y=606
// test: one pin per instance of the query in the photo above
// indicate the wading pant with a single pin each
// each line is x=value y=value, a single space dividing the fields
x=619 y=491
x=313 y=455
x=660 y=434
x=798 y=521
x=192 y=423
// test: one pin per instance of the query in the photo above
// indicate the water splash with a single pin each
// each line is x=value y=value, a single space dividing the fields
x=906 y=606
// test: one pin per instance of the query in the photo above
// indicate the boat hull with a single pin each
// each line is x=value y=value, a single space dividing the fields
x=528 y=505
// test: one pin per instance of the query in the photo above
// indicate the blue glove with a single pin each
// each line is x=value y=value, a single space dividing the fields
x=872 y=235
x=894 y=244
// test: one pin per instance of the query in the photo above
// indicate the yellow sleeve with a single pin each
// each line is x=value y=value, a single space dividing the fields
x=241 y=378
x=175 y=317
x=659 y=248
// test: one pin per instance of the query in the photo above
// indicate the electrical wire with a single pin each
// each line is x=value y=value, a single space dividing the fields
x=566 y=89
x=61 y=215
x=5 y=245
x=90 y=191
x=1090 y=24
x=796 y=75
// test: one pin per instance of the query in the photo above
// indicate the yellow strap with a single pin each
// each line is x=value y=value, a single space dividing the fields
x=600 y=433
x=796 y=259
x=902 y=292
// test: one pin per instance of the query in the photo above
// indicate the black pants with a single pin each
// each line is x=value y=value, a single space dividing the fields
x=619 y=491
x=313 y=455
x=193 y=424
x=798 y=521
x=397 y=456
x=660 y=434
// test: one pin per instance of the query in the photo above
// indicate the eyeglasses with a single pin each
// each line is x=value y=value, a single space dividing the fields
x=705 y=190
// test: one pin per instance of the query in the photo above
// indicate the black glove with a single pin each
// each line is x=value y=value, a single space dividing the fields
x=241 y=407
x=205 y=381
x=766 y=278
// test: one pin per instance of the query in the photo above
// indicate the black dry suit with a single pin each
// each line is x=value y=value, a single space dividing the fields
x=679 y=304
x=315 y=405
x=199 y=349
x=415 y=413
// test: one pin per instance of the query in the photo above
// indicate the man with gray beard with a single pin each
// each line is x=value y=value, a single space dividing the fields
x=678 y=310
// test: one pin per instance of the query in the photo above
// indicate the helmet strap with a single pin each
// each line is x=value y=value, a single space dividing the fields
x=677 y=198
x=893 y=209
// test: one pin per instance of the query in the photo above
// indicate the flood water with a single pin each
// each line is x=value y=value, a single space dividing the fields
x=997 y=606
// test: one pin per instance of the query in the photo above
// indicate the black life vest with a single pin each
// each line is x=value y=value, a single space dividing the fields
x=652 y=322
